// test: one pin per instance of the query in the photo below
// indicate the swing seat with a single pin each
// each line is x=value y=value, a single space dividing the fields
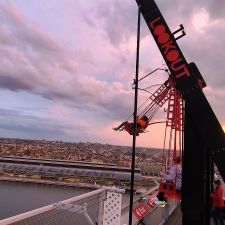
x=129 y=128
x=169 y=190
x=175 y=195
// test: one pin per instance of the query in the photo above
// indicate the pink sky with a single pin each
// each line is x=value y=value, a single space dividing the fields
x=67 y=66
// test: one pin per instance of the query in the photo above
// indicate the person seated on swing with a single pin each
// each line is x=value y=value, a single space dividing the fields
x=142 y=123
x=175 y=174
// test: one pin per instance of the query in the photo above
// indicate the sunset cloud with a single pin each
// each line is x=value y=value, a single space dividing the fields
x=67 y=68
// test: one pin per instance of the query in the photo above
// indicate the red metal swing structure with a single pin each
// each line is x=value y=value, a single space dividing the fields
x=204 y=140
x=173 y=139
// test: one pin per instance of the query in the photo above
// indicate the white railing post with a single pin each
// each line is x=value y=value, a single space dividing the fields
x=112 y=206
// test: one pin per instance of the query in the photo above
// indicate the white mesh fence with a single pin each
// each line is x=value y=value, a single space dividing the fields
x=112 y=208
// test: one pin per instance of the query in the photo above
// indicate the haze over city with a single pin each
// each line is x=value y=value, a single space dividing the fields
x=67 y=67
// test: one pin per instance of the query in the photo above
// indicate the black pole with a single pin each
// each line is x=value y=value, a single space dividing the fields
x=207 y=185
x=212 y=172
x=135 y=115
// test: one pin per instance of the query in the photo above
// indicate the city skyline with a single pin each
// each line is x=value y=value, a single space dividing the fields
x=67 y=67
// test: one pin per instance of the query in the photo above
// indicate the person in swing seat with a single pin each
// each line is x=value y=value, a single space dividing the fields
x=142 y=123
x=175 y=174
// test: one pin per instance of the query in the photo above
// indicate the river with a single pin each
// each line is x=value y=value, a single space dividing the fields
x=16 y=197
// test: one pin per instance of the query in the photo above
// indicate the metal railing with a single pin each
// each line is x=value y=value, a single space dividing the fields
x=100 y=207
x=156 y=215
x=159 y=215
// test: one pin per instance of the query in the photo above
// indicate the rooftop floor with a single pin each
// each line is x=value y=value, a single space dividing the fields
x=175 y=218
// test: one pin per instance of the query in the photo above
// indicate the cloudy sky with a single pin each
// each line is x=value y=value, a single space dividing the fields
x=67 y=67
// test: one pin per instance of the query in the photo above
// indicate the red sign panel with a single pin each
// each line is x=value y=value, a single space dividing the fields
x=140 y=211
x=151 y=203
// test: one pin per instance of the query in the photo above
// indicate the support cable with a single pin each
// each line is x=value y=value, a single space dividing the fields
x=135 y=117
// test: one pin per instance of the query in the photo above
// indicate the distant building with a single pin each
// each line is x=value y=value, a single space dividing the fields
x=63 y=168
x=150 y=170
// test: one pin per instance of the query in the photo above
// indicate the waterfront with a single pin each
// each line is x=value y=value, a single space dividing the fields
x=19 y=197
